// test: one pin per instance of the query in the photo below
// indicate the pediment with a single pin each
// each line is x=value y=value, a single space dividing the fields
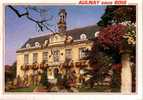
x=57 y=38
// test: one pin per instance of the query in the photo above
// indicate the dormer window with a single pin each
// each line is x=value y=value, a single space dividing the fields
x=50 y=40
x=37 y=44
x=28 y=45
x=96 y=34
x=46 y=42
x=69 y=38
x=83 y=37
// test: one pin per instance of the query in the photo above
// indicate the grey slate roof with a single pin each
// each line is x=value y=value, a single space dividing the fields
x=32 y=41
x=75 y=33
x=89 y=31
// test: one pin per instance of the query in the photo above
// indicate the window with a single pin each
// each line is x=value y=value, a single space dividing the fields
x=68 y=54
x=37 y=44
x=69 y=38
x=35 y=57
x=26 y=59
x=83 y=37
x=45 y=57
x=50 y=72
x=46 y=42
x=28 y=45
x=97 y=33
x=82 y=53
x=56 y=54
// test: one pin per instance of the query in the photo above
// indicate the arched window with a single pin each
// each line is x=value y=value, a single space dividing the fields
x=83 y=37
x=28 y=45
x=37 y=44
x=46 y=42
x=69 y=37
x=96 y=34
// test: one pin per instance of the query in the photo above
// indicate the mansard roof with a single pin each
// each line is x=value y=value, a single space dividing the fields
x=74 y=33
x=89 y=31
x=32 y=41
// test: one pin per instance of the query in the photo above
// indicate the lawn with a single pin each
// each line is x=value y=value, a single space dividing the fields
x=98 y=88
x=27 y=89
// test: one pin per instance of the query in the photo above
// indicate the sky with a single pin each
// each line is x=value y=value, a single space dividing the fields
x=19 y=30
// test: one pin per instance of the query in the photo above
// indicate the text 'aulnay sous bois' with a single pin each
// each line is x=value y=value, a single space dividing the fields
x=102 y=2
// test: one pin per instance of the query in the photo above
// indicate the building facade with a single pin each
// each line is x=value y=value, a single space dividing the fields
x=57 y=52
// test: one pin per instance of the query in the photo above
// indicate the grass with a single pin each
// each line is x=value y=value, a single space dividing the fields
x=98 y=88
x=27 y=89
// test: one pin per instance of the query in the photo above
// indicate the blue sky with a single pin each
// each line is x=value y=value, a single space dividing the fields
x=19 y=30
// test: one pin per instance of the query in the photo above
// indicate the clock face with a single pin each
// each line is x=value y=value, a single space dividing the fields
x=69 y=39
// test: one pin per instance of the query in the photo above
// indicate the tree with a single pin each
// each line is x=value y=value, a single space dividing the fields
x=118 y=14
x=100 y=62
x=10 y=72
x=41 y=20
x=121 y=38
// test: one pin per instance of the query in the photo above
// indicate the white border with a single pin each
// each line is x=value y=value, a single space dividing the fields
x=67 y=96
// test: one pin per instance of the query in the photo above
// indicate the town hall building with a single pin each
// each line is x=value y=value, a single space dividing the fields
x=58 y=52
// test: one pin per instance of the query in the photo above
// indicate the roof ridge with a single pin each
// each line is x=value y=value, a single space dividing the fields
x=66 y=31
x=83 y=27
x=39 y=36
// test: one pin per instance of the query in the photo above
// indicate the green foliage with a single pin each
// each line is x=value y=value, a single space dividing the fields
x=117 y=14
x=98 y=88
x=118 y=36
x=100 y=63
x=10 y=72
x=27 y=89
x=44 y=80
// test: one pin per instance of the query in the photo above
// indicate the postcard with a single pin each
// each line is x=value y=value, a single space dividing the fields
x=85 y=49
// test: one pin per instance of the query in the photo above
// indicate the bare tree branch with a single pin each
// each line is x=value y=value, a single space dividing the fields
x=40 y=23
x=17 y=12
